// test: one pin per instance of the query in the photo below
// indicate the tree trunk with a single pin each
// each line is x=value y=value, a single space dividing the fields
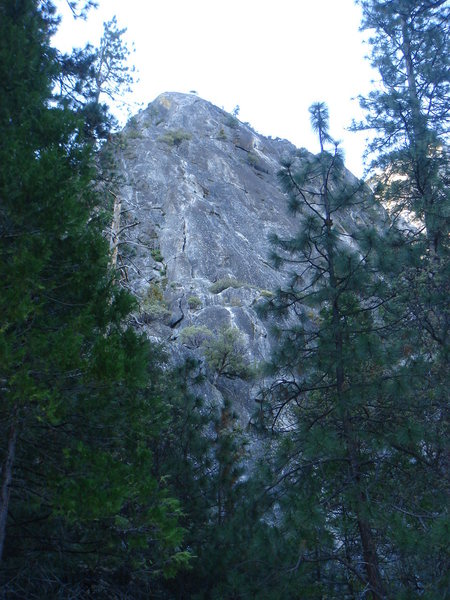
x=420 y=141
x=115 y=229
x=6 y=478
x=367 y=541
x=370 y=559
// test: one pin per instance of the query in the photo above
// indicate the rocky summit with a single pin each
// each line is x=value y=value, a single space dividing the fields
x=198 y=200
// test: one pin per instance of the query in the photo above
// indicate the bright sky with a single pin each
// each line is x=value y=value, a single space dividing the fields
x=273 y=58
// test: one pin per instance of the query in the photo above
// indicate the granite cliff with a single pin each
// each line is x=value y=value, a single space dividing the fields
x=198 y=200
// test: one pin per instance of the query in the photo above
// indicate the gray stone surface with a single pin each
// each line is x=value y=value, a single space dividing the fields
x=200 y=197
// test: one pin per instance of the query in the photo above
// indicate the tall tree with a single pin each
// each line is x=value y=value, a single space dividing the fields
x=409 y=113
x=80 y=391
x=112 y=74
x=90 y=75
x=339 y=370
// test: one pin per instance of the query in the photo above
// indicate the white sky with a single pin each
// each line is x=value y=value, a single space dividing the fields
x=273 y=58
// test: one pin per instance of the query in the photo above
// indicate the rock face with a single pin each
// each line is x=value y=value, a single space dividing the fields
x=200 y=197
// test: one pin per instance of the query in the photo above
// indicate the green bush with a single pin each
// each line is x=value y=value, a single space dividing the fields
x=225 y=354
x=222 y=135
x=156 y=254
x=224 y=351
x=266 y=293
x=174 y=137
x=232 y=122
x=127 y=250
x=224 y=283
x=252 y=159
x=153 y=305
x=154 y=293
x=132 y=129
x=195 y=336
x=194 y=302
x=134 y=134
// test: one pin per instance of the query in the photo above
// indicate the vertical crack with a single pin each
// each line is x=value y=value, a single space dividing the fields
x=184 y=236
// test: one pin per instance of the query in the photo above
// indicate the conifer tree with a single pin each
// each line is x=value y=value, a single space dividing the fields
x=409 y=115
x=90 y=75
x=410 y=112
x=342 y=400
x=81 y=393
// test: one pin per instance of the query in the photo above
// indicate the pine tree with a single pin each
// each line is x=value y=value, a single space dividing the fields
x=410 y=112
x=90 y=75
x=81 y=393
x=409 y=115
x=112 y=75
x=342 y=401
